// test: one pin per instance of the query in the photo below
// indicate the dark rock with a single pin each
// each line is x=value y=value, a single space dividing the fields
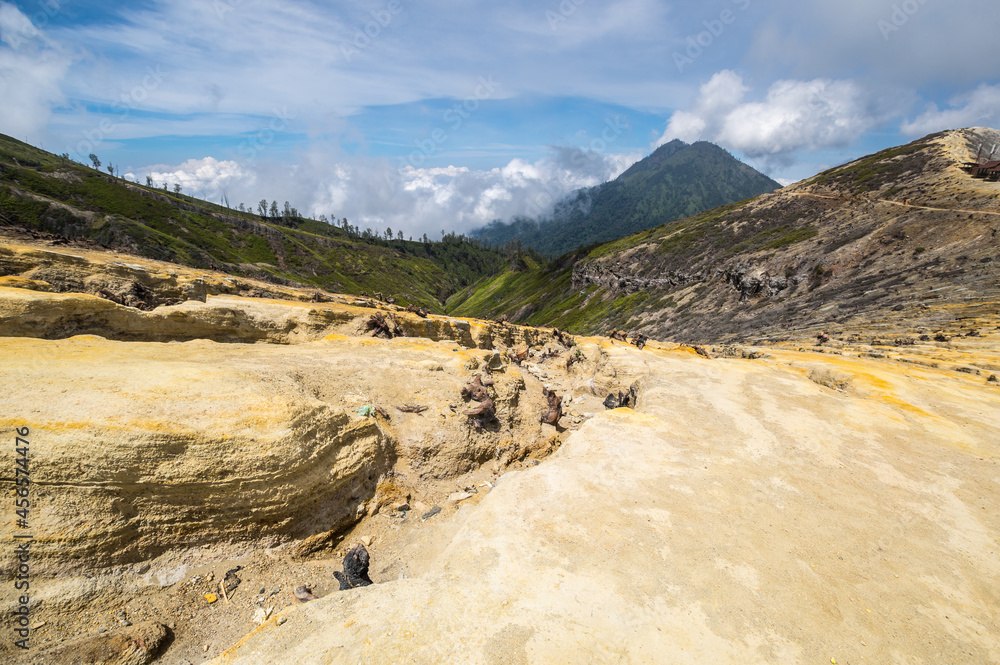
x=355 y=573
x=382 y=326
x=623 y=399
x=476 y=390
x=554 y=413
x=484 y=414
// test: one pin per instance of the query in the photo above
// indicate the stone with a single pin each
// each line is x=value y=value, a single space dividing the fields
x=355 y=574
x=133 y=645
x=455 y=497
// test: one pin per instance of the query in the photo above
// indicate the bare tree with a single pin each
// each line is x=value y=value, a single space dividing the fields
x=149 y=181
x=95 y=160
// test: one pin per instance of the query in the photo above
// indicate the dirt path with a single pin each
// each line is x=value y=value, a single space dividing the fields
x=896 y=203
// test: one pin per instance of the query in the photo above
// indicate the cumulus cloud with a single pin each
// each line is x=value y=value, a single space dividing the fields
x=32 y=69
x=208 y=177
x=374 y=193
x=793 y=117
x=981 y=107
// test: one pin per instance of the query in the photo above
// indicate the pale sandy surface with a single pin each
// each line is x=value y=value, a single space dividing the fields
x=743 y=514
x=815 y=503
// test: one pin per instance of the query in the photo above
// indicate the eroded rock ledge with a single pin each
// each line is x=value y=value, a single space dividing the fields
x=743 y=510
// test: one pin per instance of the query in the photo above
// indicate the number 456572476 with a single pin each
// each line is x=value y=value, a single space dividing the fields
x=21 y=472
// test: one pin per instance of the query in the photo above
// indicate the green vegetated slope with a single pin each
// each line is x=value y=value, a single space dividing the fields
x=676 y=181
x=45 y=193
x=841 y=247
x=544 y=296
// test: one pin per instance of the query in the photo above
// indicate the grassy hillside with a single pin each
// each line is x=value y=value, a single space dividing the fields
x=885 y=237
x=45 y=193
x=544 y=296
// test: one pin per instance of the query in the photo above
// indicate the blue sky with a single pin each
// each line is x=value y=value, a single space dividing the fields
x=433 y=114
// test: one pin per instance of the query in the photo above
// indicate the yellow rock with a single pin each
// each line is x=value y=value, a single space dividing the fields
x=211 y=598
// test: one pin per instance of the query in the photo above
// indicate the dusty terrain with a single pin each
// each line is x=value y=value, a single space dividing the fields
x=805 y=502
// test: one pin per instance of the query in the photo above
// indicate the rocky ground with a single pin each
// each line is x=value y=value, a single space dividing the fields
x=237 y=424
x=827 y=496
x=902 y=240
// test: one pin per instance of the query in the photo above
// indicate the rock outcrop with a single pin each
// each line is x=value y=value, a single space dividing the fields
x=743 y=513
x=829 y=499
x=906 y=237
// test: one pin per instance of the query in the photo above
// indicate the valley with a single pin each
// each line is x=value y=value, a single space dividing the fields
x=803 y=468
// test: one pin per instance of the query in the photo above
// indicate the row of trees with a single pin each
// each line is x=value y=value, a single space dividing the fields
x=115 y=172
x=287 y=214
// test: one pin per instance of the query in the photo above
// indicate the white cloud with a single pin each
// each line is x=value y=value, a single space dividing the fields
x=15 y=27
x=206 y=177
x=373 y=193
x=794 y=116
x=981 y=107
x=32 y=69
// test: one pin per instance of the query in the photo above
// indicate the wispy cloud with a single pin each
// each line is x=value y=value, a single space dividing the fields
x=816 y=82
x=32 y=71
x=981 y=107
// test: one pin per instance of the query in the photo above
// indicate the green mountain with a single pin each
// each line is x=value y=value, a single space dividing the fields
x=676 y=181
x=45 y=193
x=905 y=238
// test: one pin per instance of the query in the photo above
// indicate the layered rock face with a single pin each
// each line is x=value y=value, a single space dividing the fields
x=742 y=513
x=140 y=447
x=215 y=419
x=767 y=505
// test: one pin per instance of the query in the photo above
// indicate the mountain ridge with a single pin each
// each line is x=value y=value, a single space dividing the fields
x=676 y=180
x=898 y=234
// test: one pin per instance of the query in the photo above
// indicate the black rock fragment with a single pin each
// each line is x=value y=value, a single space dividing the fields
x=355 y=569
